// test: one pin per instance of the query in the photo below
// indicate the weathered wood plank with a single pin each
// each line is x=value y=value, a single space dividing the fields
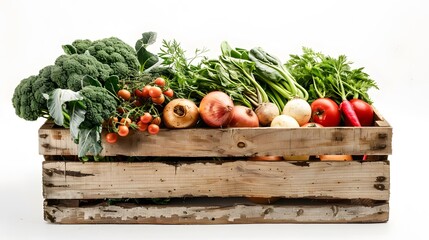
x=215 y=213
x=95 y=180
x=204 y=142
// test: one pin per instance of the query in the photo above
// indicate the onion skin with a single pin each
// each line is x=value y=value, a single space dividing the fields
x=215 y=109
x=180 y=113
x=242 y=116
x=266 y=112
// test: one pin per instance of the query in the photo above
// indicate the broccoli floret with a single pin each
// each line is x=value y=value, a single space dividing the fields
x=43 y=84
x=100 y=105
x=69 y=70
x=23 y=100
x=121 y=57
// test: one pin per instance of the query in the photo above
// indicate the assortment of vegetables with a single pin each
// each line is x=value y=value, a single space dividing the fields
x=109 y=84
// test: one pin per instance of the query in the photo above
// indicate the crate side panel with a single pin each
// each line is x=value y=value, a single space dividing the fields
x=215 y=214
x=233 y=142
x=96 y=180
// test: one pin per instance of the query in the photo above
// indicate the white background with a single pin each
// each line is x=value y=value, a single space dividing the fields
x=389 y=38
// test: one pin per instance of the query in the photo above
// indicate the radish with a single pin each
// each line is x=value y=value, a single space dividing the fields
x=299 y=109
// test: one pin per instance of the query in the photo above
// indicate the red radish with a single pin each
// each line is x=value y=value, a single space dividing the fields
x=364 y=112
x=215 y=109
x=242 y=116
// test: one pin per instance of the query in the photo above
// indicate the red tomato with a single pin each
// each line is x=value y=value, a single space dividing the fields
x=124 y=94
x=145 y=91
x=123 y=130
x=159 y=100
x=111 y=137
x=364 y=112
x=138 y=93
x=325 y=112
x=153 y=129
x=142 y=126
x=126 y=121
x=160 y=82
x=146 y=118
x=155 y=92
x=169 y=93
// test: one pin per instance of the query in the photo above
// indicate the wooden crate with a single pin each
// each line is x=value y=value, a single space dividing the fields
x=207 y=175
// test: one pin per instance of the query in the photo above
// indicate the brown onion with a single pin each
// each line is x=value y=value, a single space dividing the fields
x=180 y=113
x=266 y=112
x=215 y=109
x=242 y=116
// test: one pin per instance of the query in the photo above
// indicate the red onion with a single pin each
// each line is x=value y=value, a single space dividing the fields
x=215 y=109
x=242 y=116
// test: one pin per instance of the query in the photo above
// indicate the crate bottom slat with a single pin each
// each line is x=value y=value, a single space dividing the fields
x=217 y=211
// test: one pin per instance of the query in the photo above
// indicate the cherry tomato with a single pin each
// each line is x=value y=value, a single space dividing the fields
x=123 y=130
x=159 y=100
x=145 y=91
x=111 y=137
x=169 y=93
x=137 y=103
x=142 y=126
x=138 y=93
x=153 y=129
x=312 y=124
x=146 y=118
x=156 y=120
x=160 y=82
x=364 y=112
x=126 y=121
x=325 y=112
x=155 y=92
x=124 y=94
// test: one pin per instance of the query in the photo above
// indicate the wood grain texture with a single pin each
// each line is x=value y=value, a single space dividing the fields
x=205 y=142
x=214 y=213
x=97 y=180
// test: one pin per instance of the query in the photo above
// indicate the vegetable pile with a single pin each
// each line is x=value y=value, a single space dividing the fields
x=107 y=84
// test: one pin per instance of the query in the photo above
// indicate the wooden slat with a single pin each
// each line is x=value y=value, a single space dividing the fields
x=95 y=180
x=233 y=142
x=215 y=213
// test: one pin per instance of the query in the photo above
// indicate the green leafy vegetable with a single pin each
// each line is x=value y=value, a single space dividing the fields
x=320 y=73
x=56 y=103
x=90 y=141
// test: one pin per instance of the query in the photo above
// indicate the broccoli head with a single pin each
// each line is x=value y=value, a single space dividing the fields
x=121 y=57
x=23 y=100
x=100 y=105
x=69 y=70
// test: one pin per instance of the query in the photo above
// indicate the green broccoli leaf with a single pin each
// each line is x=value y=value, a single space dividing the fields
x=147 y=39
x=112 y=84
x=90 y=141
x=90 y=81
x=57 y=99
x=77 y=116
x=69 y=49
x=146 y=58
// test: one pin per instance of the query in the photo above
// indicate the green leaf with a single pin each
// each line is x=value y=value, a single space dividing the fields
x=69 y=49
x=112 y=84
x=90 y=81
x=56 y=101
x=90 y=141
x=77 y=116
x=147 y=39
x=146 y=58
